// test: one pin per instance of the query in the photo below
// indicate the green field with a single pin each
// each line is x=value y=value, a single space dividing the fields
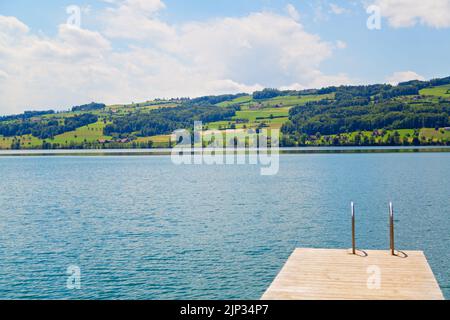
x=290 y=101
x=440 y=91
x=253 y=115
x=247 y=102
x=120 y=109
x=89 y=133
x=237 y=101
x=26 y=141
x=158 y=141
x=436 y=134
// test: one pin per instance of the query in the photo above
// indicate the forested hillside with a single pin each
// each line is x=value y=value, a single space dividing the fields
x=375 y=108
x=411 y=113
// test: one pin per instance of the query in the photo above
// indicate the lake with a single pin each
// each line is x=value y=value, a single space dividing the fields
x=139 y=227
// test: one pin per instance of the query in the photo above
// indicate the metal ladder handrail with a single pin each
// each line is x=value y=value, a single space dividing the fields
x=353 y=229
x=391 y=228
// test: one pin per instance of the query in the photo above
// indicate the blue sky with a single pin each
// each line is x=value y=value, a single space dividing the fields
x=162 y=48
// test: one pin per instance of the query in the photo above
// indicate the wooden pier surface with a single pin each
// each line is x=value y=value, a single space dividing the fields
x=324 y=274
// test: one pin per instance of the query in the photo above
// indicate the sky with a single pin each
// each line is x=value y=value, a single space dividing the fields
x=56 y=54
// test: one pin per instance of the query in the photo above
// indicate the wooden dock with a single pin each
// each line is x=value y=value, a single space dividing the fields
x=323 y=274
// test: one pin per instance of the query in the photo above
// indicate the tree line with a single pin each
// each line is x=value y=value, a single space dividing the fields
x=26 y=115
x=45 y=129
x=89 y=107
x=165 y=121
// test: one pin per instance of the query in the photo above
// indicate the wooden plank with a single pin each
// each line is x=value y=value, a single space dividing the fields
x=330 y=274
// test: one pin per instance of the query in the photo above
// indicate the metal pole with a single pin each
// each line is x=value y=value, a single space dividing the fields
x=391 y=228
x=353 y=229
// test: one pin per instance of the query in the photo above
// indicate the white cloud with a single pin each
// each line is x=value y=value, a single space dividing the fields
x=403 y=76
x=12 y=25
x=292 y=11
x=43 y=72
x=221 y=55
x=408 y=13
x=336 y=9
x=320 y=81
x=247 y=51
x=136 y=19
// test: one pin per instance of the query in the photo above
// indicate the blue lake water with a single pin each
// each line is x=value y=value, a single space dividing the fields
x=139 y=227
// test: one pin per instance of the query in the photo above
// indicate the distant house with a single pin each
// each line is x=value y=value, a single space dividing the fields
x=103 y=141
x=256 y=106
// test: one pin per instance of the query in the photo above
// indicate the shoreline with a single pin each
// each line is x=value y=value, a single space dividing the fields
x=168 y=152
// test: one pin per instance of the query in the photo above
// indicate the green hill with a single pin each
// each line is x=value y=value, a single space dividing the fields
x=412 y=113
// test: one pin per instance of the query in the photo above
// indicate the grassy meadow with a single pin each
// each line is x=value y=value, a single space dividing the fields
x=439 y=91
